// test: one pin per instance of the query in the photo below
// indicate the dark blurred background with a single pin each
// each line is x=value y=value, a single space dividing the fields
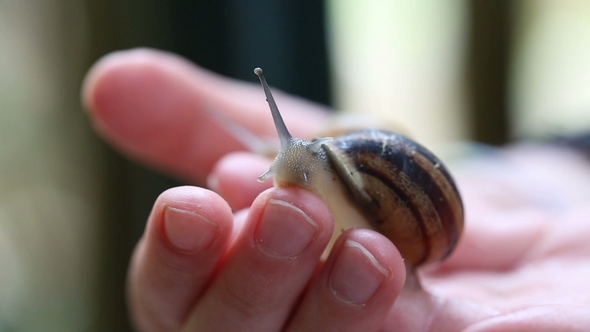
x=72 y=209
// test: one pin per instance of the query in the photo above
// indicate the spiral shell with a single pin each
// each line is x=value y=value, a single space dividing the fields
x=376 y=179
x=404 y=191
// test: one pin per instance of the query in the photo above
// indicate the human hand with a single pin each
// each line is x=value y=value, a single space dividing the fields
x=199 y=266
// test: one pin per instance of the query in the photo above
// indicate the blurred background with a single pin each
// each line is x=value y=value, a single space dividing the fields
x=71 y=209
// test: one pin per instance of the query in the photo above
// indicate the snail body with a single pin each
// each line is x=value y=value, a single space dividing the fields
x=375 y=179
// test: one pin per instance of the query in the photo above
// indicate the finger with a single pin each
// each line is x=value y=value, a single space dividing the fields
x=186 y=235
x=157 y=107
x=239 y=170
x=356 y=288
x=269 y=266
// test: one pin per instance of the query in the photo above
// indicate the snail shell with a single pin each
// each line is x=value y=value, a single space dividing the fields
x=375 y=179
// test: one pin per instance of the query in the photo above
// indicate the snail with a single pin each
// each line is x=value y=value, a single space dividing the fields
x=375 y=179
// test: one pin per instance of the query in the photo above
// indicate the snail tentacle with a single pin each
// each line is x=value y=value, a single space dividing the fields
x=262 y=177
x=282 y=130
x=317 y=145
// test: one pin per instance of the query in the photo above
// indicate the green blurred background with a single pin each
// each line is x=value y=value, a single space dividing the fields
x=72 y=209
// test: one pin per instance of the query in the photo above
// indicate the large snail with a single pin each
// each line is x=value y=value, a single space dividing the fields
x=375 y=179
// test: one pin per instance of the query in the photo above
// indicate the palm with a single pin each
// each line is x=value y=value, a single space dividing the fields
x=525 y=251
x=521 y=263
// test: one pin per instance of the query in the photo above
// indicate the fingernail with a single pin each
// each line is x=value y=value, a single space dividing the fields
x=356 y=274
x=284 y=230
x=188 y=231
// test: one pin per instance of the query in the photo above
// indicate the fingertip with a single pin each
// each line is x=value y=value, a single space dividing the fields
x=364 y=264
x=357 y=286
x=303 y=199
x=107 y=71
x=187 y=234
x=234 y=177
x=289 y=199
x=95 y=74
x=181 y=213
x=124 y=85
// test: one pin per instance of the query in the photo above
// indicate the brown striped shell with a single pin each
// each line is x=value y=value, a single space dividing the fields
x=376 y=179
x=405 y=192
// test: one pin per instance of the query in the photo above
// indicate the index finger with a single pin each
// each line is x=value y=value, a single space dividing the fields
x=156 y=107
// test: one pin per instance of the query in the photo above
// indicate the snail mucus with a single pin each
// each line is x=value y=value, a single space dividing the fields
x=375 y=179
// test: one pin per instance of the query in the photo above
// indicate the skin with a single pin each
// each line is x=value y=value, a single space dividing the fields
x=245 y=257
